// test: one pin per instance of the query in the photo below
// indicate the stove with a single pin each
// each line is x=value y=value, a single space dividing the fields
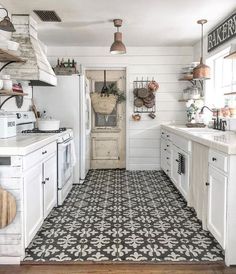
x=36 y=130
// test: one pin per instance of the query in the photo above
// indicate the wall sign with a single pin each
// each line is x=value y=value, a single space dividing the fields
x=222 y=33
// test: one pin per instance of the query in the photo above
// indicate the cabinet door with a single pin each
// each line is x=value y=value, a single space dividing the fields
x=163 y=154
x=216 y=222
x=184 y=177
x=175 y=176
x=33 y=202
x=50 y=184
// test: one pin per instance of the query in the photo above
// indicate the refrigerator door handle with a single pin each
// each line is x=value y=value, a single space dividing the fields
x=88 y=99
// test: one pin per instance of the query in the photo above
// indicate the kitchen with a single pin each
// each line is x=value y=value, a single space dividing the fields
x=124 y=184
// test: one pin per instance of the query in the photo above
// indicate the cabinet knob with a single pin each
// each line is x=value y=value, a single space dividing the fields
x=167 y=158
x=214 y=159
x=207 y=184
x=167 y=136
x=167 y=170
x=43 y=182
x=44 y=152
x=167 y=145
x=165 y=149
x=177 y=160
x=47 y=179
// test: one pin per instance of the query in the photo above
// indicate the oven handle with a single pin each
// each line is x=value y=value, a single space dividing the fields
x=64 y=144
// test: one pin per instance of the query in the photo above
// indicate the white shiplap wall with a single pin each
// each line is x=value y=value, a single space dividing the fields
x=162 y=63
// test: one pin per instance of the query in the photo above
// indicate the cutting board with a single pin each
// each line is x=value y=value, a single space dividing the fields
x=7 y=208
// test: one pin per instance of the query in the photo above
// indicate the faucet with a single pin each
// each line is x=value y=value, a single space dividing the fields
x=219 y=124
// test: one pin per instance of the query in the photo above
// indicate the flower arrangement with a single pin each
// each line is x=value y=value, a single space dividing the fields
x=193 y=107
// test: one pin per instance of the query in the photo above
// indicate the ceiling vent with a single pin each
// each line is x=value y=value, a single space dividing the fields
x=48 y=15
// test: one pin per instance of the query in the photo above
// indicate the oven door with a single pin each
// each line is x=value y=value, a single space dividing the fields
x=65 y=169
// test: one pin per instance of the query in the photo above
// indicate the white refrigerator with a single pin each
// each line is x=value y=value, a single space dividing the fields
x=70 y=102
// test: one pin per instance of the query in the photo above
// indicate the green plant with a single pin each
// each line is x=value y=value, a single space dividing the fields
x=113 y=89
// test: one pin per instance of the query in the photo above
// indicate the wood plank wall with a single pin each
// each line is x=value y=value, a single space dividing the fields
x=162 y=63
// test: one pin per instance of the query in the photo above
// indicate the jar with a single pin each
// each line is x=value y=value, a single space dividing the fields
x=195 y=92
x=7 y=85
x=186 y=94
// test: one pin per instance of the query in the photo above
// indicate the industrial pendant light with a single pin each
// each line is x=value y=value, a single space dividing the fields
x=117 y=47
x=202 y=71
x=6 y=23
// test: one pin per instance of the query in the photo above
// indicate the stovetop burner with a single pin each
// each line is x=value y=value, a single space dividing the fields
x=36 y=130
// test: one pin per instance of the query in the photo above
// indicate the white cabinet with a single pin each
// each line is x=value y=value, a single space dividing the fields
x=175 y=176
x=217 y=205
x=166 y=156
x=33 y=202
x=40 y=189
x=181 y=180
x=49 y=184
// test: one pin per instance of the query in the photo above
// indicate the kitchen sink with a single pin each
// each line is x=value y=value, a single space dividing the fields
x=201 y=130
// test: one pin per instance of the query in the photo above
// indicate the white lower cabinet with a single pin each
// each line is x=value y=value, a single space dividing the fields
x=217 y=205
x=49 y=184
x=33 y=202
x=40 y=193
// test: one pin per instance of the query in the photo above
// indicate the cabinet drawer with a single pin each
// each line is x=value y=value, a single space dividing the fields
x=48 y=150
x=218 y=160
x=38 y=155
x=165 y=134
x=181 y=143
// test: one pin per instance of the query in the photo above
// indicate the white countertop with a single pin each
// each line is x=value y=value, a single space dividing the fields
x=224 y=141
x=26 y=143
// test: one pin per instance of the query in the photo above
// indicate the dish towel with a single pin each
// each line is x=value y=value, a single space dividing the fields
x=181 y=163
x=73 y=154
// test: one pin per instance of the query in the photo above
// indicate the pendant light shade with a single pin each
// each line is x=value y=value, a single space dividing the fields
x=202 y=71
x=117 y=47
x=6 y=24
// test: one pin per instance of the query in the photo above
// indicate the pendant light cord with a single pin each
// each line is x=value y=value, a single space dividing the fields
x=202 y=45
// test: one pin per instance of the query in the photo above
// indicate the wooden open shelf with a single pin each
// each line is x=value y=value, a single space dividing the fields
x=230 y=93
x=9 y=56
x=10 y=93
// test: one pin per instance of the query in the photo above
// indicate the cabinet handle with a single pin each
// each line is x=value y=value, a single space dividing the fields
x=207 y=184
x=167 y=145
x=167 y=136
x=165 y=149
x=162 y=133
x=43 y=182
x=44 y=152
x=47 y=179
x=176 y=160
x=167 y=158
x=214 y=159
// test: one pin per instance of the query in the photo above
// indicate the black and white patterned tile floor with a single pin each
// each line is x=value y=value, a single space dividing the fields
x=120 y=215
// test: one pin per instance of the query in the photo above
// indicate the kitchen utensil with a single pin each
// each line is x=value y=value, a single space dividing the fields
x=143 y=93
x=136 y=117
x=48 y=124
x=150 y=97
x=135 y=91
x=152 y=115
x=153 y=86
x=150 y=104
x=7 y=208
x=138 y=102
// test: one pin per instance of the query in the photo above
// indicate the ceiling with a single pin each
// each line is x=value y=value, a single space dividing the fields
x=146 y=22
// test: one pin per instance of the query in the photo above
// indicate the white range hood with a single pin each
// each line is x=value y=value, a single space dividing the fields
x=36 y=69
